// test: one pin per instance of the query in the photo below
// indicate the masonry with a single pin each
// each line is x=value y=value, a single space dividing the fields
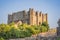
x=30 y=17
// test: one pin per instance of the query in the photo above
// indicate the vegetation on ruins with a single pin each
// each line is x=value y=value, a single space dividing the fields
x=10 y=31
x=58 y=38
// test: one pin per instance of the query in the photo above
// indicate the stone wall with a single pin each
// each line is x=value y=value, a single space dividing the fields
x=31 y=17
x=27 y=38
x=35 y=38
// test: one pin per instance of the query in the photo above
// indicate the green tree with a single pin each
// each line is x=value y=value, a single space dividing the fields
x=46 y=25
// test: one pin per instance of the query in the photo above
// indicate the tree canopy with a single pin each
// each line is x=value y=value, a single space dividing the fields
x=24 y=30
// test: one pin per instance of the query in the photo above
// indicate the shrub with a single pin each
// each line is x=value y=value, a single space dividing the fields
x=1 y=38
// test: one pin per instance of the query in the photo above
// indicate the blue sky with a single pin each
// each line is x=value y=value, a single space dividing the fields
x=52 y=7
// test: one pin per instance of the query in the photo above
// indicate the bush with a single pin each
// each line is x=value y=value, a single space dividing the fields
x=1 y=38
x=24 y=30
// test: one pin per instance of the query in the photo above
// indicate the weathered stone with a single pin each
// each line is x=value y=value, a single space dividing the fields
x=30 y=17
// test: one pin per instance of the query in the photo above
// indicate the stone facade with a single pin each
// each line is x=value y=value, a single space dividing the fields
x=35 y=38
x=30 y=17
x=58 y=28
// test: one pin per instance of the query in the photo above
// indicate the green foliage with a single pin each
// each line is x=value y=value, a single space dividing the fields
x=1 y=38
x=10 y=31
x=45 y=25
x=58 y=38
x=43 y=29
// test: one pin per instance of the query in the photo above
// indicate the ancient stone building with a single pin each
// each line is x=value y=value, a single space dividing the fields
x=30 y=17
x=58 y=28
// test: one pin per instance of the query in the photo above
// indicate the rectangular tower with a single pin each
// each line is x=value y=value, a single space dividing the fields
x=10 y=18
x=32 y=17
